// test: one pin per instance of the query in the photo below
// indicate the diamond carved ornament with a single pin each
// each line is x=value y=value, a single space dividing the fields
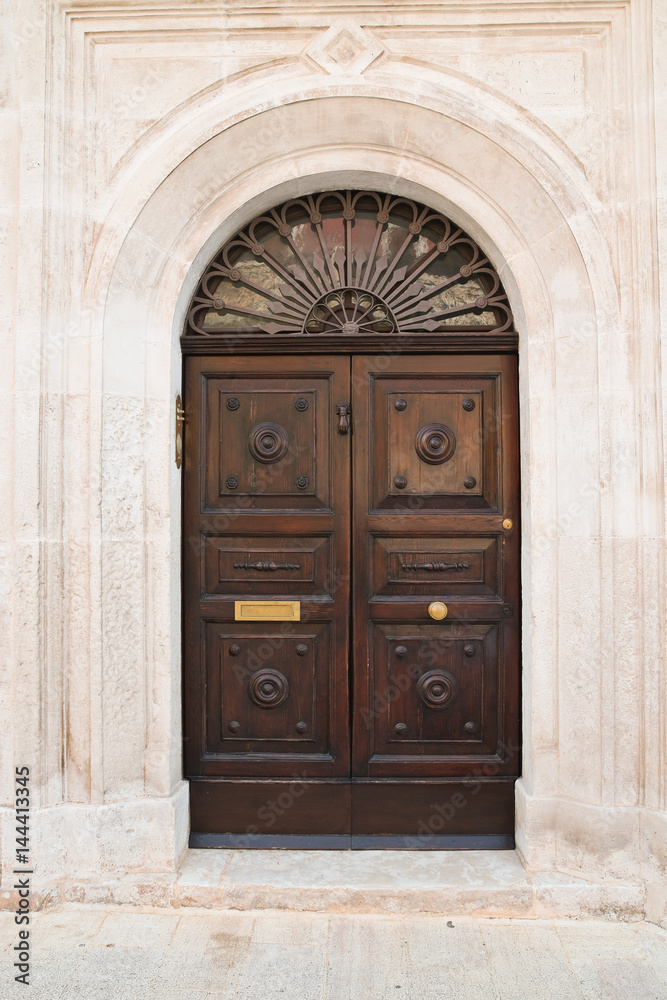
x=345 y=47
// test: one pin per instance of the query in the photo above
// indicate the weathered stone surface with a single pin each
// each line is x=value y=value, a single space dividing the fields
x=163 y=129
x=186 y=955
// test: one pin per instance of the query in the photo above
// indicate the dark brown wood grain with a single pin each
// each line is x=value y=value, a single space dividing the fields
x=270 y=807
x=425 y=810
x=241 y=509
x=368 y=703
x=477 y=731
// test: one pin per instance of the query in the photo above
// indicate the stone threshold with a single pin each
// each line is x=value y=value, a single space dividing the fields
x=471 y=883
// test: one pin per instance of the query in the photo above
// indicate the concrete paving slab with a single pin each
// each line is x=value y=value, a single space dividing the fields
x=301 y=928
x=103 y=973
x=531 y=964
x=112 y=953
x=282 y=972
x=368 y=959
x=135 y=930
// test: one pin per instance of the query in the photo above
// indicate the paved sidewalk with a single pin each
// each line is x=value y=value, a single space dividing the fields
x=97 y=953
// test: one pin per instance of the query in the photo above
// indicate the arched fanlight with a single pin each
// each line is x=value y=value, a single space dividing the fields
x=350 y=262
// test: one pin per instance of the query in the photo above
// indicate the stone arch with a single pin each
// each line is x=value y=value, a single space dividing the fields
x=557 y=272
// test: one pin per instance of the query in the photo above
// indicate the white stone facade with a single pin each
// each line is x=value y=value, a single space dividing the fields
x=135 y=139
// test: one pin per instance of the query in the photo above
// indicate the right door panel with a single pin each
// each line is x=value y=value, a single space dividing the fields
x=436 y=512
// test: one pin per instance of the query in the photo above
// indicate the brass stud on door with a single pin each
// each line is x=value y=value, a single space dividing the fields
x=468 y=404
x=508 y=524
x=234 y=727
x=400 y=728
x=301 y=727
x=437 y=610
x=400 y=404
x=470 y=482
x=400 y=482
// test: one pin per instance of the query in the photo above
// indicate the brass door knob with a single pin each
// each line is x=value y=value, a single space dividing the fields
x=437 y=610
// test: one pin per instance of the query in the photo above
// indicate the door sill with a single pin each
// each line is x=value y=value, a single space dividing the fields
x=354 y=842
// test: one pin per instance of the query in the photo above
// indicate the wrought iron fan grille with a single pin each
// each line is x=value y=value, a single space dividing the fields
x=350 y=262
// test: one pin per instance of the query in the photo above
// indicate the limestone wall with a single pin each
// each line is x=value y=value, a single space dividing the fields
x=163 y=127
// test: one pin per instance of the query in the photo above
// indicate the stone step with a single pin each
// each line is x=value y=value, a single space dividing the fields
x=474 y=883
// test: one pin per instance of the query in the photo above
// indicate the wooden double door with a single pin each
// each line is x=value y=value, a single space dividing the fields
x=351 y=600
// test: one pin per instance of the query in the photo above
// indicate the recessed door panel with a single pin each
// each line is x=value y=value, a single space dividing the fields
x=435 y=441
x=268 y=442
x=296 y=565
x=434 y=694
x=457 y=566
x=268 y=690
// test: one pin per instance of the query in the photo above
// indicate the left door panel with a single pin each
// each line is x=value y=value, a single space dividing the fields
x=266 y=516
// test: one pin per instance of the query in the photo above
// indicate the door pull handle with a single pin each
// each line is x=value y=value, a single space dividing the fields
x=178 y=433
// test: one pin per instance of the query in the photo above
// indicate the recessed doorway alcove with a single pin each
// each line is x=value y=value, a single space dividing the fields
x=529 y=216
x=351 y=522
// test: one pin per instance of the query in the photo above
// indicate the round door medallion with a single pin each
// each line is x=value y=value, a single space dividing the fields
x=436 y=688
x=435 y=443
x=268 y=442
x=268 y=688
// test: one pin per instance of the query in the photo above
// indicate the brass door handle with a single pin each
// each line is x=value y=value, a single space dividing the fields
x=437 y=610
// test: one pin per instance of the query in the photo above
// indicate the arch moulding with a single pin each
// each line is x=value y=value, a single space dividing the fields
x=558 y=286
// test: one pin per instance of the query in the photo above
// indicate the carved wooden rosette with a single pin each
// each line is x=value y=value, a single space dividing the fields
x=268 y=688
x=436 y=689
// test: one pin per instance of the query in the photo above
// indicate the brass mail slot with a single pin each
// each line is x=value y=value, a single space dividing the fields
x=267 y=611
